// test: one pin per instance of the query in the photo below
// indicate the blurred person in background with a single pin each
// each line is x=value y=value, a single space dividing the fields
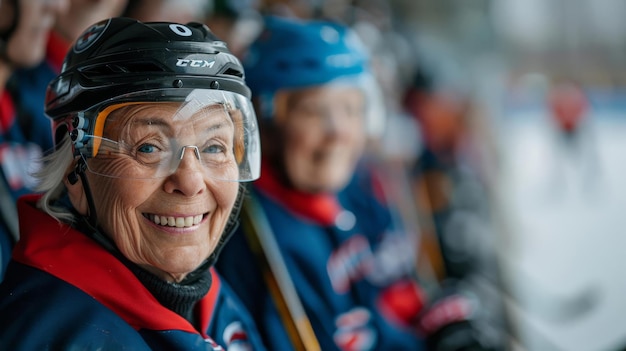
x=452 y=193
x=80 y=15
x=237 y=22
x=24 y=29
x=575 y=158
x=443 y=118
x=178 y=11
x=139 y=196
x=569 y=106
x=328 y=271
x=31 y=82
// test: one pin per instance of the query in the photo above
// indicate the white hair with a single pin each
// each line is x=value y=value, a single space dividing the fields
x=50 y=180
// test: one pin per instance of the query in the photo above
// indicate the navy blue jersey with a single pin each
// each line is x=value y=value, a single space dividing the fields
x=64 y=291
x=350 y=268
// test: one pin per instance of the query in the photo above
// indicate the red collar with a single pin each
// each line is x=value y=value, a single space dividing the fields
x=320 y=208
x=71 y=256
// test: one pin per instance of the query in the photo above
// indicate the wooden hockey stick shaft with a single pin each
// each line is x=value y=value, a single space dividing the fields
x=261 y=239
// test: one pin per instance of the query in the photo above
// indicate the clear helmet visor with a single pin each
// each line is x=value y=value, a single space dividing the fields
x=152 y=135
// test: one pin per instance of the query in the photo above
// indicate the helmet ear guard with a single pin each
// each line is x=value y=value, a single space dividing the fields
x=78 y=131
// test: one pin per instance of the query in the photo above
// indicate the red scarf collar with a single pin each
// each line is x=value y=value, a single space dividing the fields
x=74 y=258
x=320 y=208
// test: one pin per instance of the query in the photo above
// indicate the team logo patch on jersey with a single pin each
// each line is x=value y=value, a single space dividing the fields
x=354 y=330
x=236 y=338
x=213 y=344
x=90 y=36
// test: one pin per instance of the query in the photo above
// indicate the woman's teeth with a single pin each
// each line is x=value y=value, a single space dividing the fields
x=179 y=222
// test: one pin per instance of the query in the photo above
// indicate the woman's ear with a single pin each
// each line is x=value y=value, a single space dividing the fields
x=76 y=192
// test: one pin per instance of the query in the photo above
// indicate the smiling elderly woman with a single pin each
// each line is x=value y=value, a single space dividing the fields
x=154 y=132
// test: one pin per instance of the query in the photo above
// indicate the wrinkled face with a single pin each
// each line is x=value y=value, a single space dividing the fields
x=168 y=224
x=27 y=45
x=325 y=136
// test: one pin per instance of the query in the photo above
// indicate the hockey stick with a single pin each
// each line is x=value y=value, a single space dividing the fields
x=261 y=239
x=9 y=211
x=9 y=215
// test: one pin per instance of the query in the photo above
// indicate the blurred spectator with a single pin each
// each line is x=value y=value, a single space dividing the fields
x=303 y=9
x=237 y=22
x=453 y=199
x=82 y=14
x=28 y=83
x=24 y=136
x=31 y=82
x=569 y=106
x=179 y=11
x=442 y=120
x=575 y=158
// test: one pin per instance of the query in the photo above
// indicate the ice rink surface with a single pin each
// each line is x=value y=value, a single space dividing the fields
x=563 y=252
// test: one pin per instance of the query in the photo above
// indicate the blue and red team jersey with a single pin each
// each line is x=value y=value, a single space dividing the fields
x=63 y=291
x=25 y=132
x=352 y=272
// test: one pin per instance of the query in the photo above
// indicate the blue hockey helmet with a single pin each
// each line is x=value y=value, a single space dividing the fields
x=292 y=54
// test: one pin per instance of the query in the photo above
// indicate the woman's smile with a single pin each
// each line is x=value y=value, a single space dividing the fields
x=176 y=223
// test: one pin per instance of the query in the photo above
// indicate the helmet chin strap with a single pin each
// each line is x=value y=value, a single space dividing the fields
x=89 y=224
x=80 y=171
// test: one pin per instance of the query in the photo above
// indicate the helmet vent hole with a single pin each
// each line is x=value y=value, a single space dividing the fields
x=234 y=72
x=117 y=68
